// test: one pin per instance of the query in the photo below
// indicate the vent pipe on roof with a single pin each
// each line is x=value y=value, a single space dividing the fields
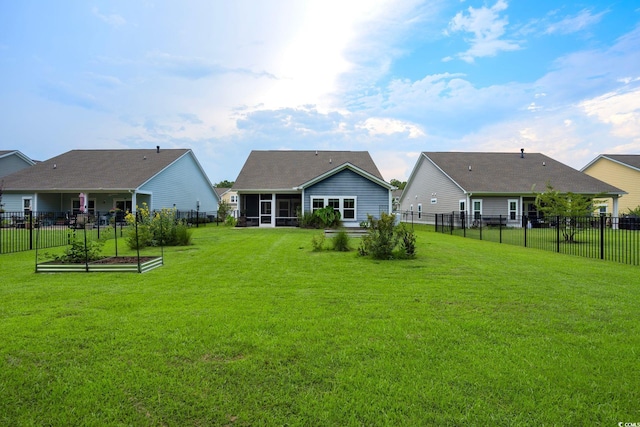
x=330 y=161
x=157 y=148
x=469 y=168
x=522 y=153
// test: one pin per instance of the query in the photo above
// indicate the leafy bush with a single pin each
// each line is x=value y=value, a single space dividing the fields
x=230 y=221
x=76 y=252
x=326 y=217
x=383 y=237
x=156 y=229
x=317 y=242
x=407 y=241
x=341 y=242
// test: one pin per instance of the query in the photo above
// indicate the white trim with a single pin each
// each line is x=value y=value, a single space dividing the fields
x=473 y=208
x=517 y=210
x=341 y=199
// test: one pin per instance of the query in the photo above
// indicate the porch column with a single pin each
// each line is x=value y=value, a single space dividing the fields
x=134 y=202
x=614 y=212
x=273 y=209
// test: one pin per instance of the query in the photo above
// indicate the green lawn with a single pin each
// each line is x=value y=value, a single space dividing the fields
x=251 y=327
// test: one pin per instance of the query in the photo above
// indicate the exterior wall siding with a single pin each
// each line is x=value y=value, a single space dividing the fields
x=620 y=176
x=11 y=164
x=426 y=181
x=181 y=184
x=371 y=198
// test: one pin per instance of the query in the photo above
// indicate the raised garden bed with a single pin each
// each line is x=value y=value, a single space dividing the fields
x=110 y=264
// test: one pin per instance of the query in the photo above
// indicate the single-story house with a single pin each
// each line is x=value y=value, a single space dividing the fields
x=275 y=186
x=12 y=161
x=101 y=180
x=489 y=185
x=621 y=170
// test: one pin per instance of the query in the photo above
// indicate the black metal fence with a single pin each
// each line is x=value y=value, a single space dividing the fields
x=608 y=238
x=20 y=231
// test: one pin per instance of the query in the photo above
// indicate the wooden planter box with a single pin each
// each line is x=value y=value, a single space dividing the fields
x=112 y=264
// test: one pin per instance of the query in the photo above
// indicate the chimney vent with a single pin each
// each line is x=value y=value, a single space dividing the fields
x=522 y=153
x=157 y=148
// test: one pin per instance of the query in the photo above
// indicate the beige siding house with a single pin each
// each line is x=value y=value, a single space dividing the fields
x=622 y=171
x=490 y=186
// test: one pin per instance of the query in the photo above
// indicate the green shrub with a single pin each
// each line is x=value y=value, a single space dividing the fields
x=407 y=241
x=326 y=217
x=76 y=252
x=308 y=220
x=230 y=221
x=383 y=237
x=317 y=242
x=341 y=242
x=158 y=229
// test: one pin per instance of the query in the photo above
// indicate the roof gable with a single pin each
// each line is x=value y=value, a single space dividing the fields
x=94 y=170
x=288 y=170
x=631 y=161
x=513 y=173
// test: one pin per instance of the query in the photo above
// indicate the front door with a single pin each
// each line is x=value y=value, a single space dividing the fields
x=265 y=211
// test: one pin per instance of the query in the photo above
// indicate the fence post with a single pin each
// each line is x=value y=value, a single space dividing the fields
x=500 y=225
x=558 y=233
x=436 y=221
x=602 y=225
x=525 y=225
x=30 y=215
x=480 y=225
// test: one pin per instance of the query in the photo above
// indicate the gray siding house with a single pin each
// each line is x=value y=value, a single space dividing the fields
x=274 y=186
x=490 y=185
x=12 y=161
x=107 y=179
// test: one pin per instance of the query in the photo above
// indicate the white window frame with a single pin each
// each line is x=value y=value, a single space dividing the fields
x=511 y=211
x=477 y=214
x=341 y=208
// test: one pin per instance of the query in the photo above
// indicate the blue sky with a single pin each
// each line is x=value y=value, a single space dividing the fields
x=393 y=77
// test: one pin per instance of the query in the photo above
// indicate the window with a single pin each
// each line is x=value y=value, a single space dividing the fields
x=349 y=209
x=233 y=199
x=419 y=210
x=513 y=210
x=345 y=205
x=477 y=209
x=317 y=204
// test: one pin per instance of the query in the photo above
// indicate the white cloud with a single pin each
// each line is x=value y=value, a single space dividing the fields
x=113 y=19
x=573 y=24
x=487 y=27
x=387 y=126
x=619 y=109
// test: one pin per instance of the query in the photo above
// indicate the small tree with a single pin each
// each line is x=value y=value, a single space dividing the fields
x=566 y=207
x=381 y=239
x=224 y=208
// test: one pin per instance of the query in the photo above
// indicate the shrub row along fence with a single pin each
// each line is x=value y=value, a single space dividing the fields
x=20 y=231
x=607 y=238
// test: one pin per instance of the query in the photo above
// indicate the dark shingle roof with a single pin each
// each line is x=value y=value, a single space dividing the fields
x=632 y=160
x=271 y=170
x=509 y=173
x=94 y=170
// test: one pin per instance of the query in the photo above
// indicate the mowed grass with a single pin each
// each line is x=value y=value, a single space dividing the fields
x=251 y=327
